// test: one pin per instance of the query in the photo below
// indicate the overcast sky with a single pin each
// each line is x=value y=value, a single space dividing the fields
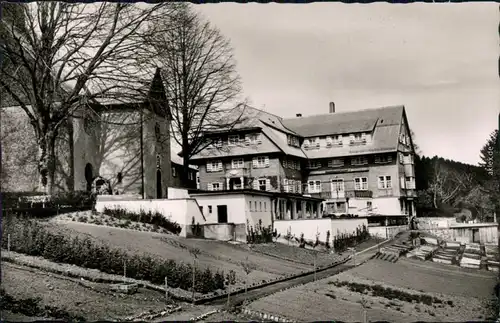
x=439 y=60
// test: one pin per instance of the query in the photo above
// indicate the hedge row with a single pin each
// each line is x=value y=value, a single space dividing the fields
x=34 y=239
x=155 y=218
x=77 y=200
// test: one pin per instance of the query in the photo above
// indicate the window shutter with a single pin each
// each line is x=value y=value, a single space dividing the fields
x=219 y=165
x=247 y=140
x=268 y=184
x=209 y=167
x=209 y=187
x=259 y=139
x=255 y=183
x=285 y=183
x=266 y=162
x=402 y=182
x=254 y=162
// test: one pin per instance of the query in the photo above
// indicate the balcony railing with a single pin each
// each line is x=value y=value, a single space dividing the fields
x=359 y=194
x=238 y=172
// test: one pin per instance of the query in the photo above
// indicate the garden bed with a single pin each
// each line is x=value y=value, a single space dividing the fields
x=106 y=220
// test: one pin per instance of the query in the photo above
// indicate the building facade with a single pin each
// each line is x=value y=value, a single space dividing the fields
x=360 y=162
x=127 y=144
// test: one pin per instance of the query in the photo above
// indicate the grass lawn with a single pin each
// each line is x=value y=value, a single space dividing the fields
x=215 y=254
x=68 y=294
x=323 y=300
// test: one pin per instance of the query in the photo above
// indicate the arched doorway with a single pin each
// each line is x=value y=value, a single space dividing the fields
x=88 y=176
x=158 y=184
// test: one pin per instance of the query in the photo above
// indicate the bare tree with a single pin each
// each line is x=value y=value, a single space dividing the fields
x=247 y=267
x=448 y=184
x=61 y=56
x=201 y=82
x=195 y=252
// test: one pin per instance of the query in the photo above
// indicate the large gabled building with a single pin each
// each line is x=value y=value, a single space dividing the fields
x=359 y=162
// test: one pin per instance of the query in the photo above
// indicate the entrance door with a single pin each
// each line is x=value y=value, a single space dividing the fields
x=222 y=213
x=89 y=176
x=475 y=235
x=338 y=188
x=158 y=185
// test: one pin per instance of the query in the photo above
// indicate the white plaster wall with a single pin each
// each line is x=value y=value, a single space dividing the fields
x=177 y=193
x=260 y=213
x=181 y=211
x=235 y=207
x=349 y=226
x=386 y=232
x=381 y=205
x=311 y=227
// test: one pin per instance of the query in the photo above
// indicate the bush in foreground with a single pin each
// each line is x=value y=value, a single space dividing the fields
x=32 y=307
x=34 y=239
x=156 y=218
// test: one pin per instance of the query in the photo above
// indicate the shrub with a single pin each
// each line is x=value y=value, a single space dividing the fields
x=156 y=219
x=260 y=234
x=32 y=307
x=33 y=238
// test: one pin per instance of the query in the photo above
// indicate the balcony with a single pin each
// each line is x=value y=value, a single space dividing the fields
x=410 y=185
x=321 y=195
x=411 y=193
x=359 y=194
x=238 y=172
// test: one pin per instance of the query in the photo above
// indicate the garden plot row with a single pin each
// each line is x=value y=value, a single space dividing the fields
x=450 y=254
x=492 y=258
x=393 y=252
x=472 y=256
x=423 y=252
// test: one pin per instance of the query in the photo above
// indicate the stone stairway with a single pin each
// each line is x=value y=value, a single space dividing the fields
x=386 y=257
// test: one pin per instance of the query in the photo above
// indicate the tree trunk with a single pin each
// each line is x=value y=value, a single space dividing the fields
x=46 y=161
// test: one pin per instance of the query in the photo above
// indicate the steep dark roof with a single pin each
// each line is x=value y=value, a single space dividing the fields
x=344 y=122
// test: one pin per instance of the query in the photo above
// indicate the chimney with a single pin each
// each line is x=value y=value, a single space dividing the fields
x=332 y=107
x=299 y=115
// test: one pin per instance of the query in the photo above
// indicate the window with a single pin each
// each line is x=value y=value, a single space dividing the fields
x=260 y=162
x=335 y=163
x=384 y=182
x=174 y=171
x=338 y=185
x=314 y=164
x=293 y=141
x=265 y=207
x=252 y=139
x=306 y=143
x=255 y=206
x=250 y=205
x=361 y=184
x=214 y=166
x=358 y=138
x=262 y=184
x=359 y=161
x=233 y=140
x=214 y=186
x=314 y=186
x=157 y=132
x=237 y=163
x=314 y=142
x=260 y=206
x=209 y=209
x=383 y=159
x=337 y=140
x=369 y=206
x=217 y=142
